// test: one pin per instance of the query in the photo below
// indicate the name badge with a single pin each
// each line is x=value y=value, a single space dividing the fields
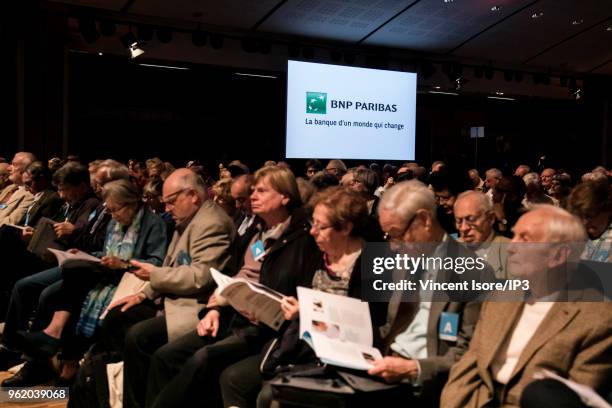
x=449 y=326
x=183 y=258
x=258 y=250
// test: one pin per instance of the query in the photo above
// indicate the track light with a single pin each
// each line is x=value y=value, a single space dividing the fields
x=130 y=42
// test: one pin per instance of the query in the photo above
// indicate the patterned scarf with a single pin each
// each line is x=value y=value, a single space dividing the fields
x=120 y=243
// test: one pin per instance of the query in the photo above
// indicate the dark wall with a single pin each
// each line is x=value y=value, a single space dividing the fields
x=123 y=110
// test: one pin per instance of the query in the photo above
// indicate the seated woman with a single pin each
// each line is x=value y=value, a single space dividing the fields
x=134 y=233
x=183 y=372
x=338 y=213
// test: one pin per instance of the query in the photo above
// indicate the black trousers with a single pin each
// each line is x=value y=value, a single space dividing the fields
x=550 y=393
x=196 y=384
x=241 y=382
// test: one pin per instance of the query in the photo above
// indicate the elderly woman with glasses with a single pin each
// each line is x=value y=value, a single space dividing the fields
x=134 y=233
x=338 y=212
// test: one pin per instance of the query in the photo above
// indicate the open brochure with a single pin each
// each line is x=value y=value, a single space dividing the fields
x=338 y=328
x=252 y=297
x=79 y=259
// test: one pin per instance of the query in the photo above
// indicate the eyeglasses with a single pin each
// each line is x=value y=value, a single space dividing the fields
x=470 y=220
x=170 y=199
x=115 y=210
x=399 y=237
x=319 y=227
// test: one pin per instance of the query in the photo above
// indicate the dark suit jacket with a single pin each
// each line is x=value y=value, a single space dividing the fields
x=441 y=354
x=47 y=205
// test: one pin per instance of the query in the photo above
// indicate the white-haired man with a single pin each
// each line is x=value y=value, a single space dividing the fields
x=417 y=351
x=15 y=198
x=492 y=177
x=553 y=329
x=474 y=219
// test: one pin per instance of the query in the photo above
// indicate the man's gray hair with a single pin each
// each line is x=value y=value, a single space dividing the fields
x=191 y=180
x=563 y=226
x=532 y=178
x=493 y=172
x=484 y=202
x=405 y=198
x=27 y=159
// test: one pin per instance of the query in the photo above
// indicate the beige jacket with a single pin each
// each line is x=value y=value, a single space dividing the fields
x=574 y=340
x=185 y=276
x=16 y=206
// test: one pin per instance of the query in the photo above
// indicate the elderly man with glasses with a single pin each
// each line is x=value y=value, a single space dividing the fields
x=203 y=239
x=418 y=353
x=474 y=219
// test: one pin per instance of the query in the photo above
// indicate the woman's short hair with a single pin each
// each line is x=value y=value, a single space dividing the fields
x=343 y=206
x=369 y=179
x=283 y=181
x=590 y=198
x=222 y=190
x=153 y=188
x=121 y=191
x=38 y=170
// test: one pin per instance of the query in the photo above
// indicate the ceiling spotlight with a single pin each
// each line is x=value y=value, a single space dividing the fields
x=499 y=93
x=437 y=87
x=577 y=22
x=537 y=15
x=495 y=8
x=577 y=94
x=459 y=82
x=100 y=54
x=130 y=42
x=609 y=28
x=448 y=1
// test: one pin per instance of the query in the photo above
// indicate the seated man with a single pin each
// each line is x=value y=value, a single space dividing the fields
x=415 y=351
x=15 y=199
x=515 y=340
x=474 y=219
x=203 y=238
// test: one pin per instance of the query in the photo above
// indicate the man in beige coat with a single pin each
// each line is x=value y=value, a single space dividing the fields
x=515 y=340
x=202 y=240
x=15 y=199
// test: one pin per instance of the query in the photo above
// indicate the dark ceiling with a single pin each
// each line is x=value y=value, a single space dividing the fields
x=565 y=36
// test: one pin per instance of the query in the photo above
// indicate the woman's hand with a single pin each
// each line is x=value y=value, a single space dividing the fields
x=290 y=307
x=209 y=325
x=113 y=262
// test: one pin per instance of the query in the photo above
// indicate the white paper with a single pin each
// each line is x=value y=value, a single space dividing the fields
x=338 y=328
x=72 y=260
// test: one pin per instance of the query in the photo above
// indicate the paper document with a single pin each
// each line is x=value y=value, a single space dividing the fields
x=338 y=328
x=252 y=297
x=79 y=259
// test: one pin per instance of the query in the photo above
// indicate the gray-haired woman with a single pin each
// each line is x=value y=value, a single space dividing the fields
x=134 y=233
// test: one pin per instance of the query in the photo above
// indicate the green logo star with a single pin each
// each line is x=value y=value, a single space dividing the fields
x=316 y=102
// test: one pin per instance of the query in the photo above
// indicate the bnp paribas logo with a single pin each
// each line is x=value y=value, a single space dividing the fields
x=316 y=102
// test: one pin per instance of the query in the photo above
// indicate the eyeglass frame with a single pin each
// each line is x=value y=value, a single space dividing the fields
x=399 y=237
x=176 y=195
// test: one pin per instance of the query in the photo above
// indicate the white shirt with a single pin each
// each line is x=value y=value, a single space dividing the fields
x=531 y=318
